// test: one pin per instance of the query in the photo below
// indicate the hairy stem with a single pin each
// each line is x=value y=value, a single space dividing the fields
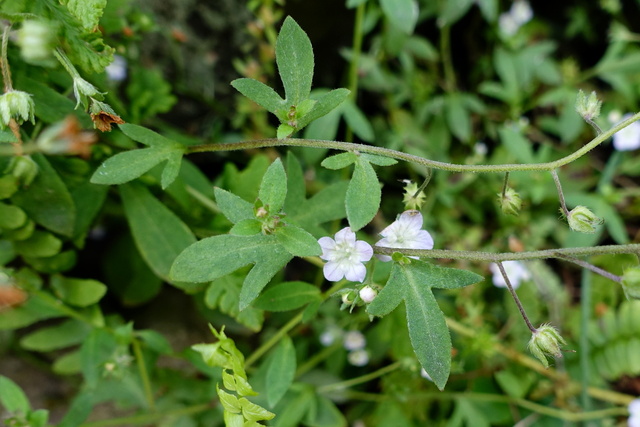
x=4 y=62
x=505 y=185
x=451 y=167
x=591 y=267
x=563 y=204
x=515 y=298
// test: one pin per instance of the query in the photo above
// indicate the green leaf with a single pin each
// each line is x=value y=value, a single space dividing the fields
x=78 y=292
x=172 y=169
x=97 y=349
x=246 y=227
x=149 y=94
x=79 y=410
x=339 y=161
x=12 y=397
x=427 y=327
x=88 y=12
x=11 y=217
x=47 y=200
x=65 y=334
x=363 y=195
x=129 y=165
x=453 y=10
x=402 y=13
x=261 y=94
x=326 y=205
x=39 y=244
x=233 y=207
x=357 y=121
x=217 y=256
x=34 y=310
x=281 y=370
x=287 y=296
x=68 y=364
x=88 y=199
x=159 y=234
x=326 y=414
x=285 y=131
x=224 y=294
x=326 y=103
x=516 y=144
x=297 y=241
x=379 y=160
x=294 y=56
x=146 y=136
x=273 y=188
x=253 y=412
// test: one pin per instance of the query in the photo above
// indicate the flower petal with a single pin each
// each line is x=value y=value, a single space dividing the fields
x=333 y=271
x=364 y=250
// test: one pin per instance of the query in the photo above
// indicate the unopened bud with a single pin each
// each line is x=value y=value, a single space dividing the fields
x=367 y=294
x=348 y=297
x=411 y=200
x=23 y=168
x=588 y=106
x=37 y=41
x=544 y=342
x=17 y=105
x=631 y=282
x=83 y=91
x=510 y=202
x=581 y=219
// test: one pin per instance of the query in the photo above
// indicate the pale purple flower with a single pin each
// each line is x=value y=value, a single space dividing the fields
x=405 y=233
x=628 y=138
x=516 y=271
x=345 y=256
x=634 y=413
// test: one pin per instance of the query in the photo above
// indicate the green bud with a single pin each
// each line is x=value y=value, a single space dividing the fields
x=16 y=105
x=631 y=282
x=581 y=219
x=544 y=342
x=588 y=106
x=23 y=168
x=83 y=90
x=410 y=200
x=37 y=41
x=510 y=202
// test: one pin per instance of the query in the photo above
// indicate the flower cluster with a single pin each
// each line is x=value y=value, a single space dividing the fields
x=405 y=233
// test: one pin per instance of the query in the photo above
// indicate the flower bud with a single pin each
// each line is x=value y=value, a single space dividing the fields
x=581 y=219
x=510 y=202
x=103 y=116
x=18 y=105
x=348 y=297
x=367 y=294
x=544 y=342
x=37 y=40
x=411 y=200
x=23 y=168
x=631 y=282
x=588 y=106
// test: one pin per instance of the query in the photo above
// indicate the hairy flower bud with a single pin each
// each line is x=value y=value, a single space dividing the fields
x=581 y=219
x=510 y=202
x=17 y=105
x=367 y=294
x=631 y=282
x=588 y=106
x=544 y=342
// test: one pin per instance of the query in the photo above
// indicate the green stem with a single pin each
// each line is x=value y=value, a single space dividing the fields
x=317 y=358
x=563 y=204
x=150 y=418
x=204 y=200
x=515 y=298
x=512 y=256
x=4 y=62
x=585 y=316
x=260 y=351
x=505 y=185
x=144 y=375
x=359 y=380
x=447 y=63
x=451 y=167
x=591 y=267
x=66 y=63
x=355 y=59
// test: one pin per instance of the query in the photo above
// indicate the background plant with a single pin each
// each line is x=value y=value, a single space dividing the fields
x=100 y=233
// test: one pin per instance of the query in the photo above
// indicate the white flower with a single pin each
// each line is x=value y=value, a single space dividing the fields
x=345 y=256
x=354 y=340
x=516 y=271
x=519 y=14
x=634 y=413
x=628 y=138
x=405 y=233
x=358 y=357
x=329 y=336
x=367 y=294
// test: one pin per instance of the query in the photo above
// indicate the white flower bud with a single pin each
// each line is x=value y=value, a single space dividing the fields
x=354 y=340
x=358 y=357
x=367 y=294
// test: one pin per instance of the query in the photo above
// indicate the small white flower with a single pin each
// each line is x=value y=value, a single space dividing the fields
x=628 y=138
x=519 y=14
x=358 y=357
x=405 y=233
x=634 y=413
x=117 y=70
x=330 y=336
x=516 y=271
x=425 y=375
x=367 y=294
x=345 y=256
x=354 y=340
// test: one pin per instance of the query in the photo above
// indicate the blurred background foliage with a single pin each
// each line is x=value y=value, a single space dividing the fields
x=461 y=81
